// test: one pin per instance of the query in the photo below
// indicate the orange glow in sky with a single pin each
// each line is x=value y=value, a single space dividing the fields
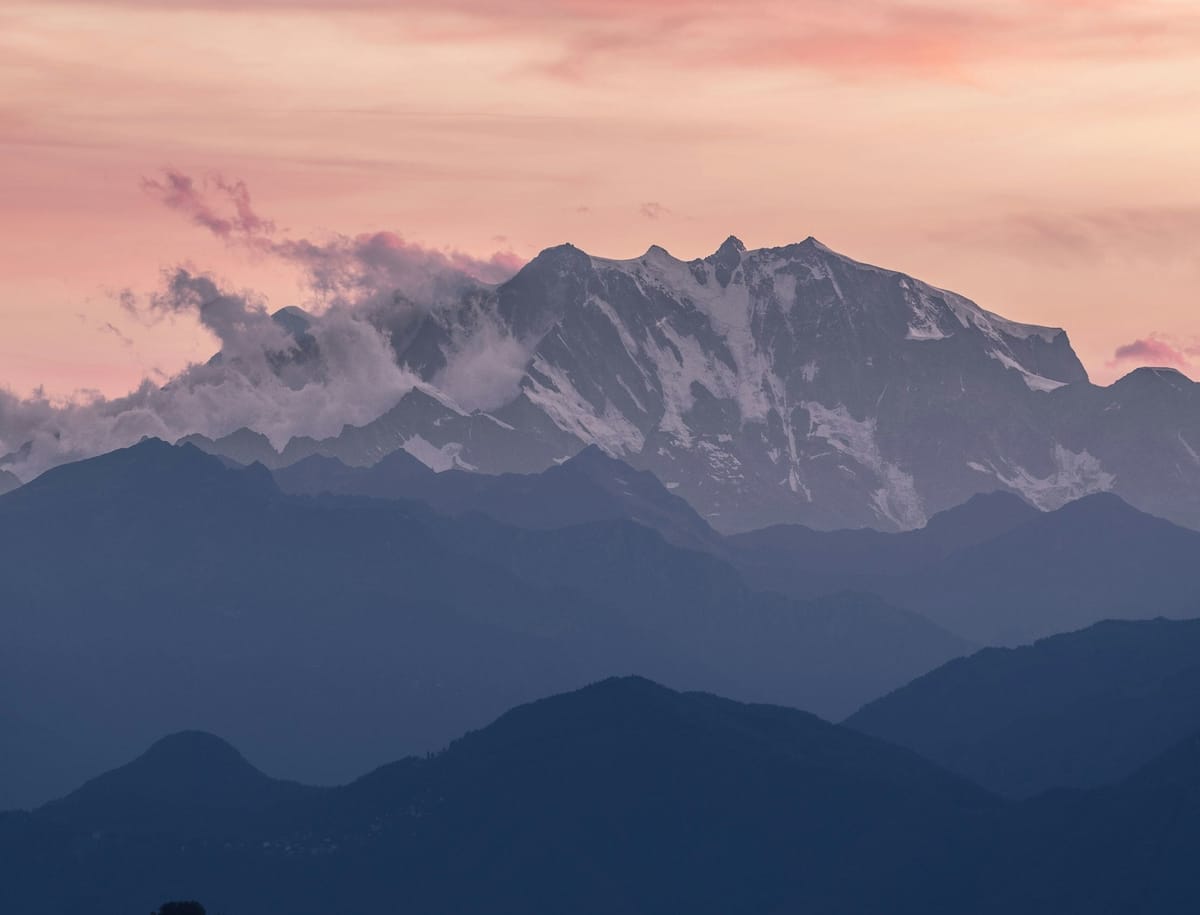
x=1040 y=156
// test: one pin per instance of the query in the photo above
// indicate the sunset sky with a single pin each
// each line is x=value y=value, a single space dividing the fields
x=1042 y=158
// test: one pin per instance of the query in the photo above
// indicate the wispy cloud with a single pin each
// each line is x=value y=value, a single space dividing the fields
x=374 y=260
x=654 y=210
x=925 y=38
x=111 y=329
x=199 y=202
x=1141 y=233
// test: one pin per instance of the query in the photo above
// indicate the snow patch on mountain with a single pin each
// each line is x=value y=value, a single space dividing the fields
x=1190 y=450
x=925 y=332
x=444 y=458
x=509 y=427
x=550 y=388
x=925 y=323
x=631 y=346
x=1075 y=474
x=680 y=361
x=722 y=465
x=993 y=325
x=730 y=315
x=440 y=396
x=1033 y=381
x=896 y=500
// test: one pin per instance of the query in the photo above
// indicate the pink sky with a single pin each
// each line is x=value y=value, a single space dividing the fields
x=1039 y=157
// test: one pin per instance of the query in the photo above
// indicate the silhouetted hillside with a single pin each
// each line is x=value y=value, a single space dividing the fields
x=621 y=797
x=189 y=784
x=1082 y=709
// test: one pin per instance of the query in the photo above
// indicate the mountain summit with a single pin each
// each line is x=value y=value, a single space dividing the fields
x=787 y=384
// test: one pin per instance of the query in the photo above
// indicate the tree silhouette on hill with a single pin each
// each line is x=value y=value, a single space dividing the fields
x=180 y=908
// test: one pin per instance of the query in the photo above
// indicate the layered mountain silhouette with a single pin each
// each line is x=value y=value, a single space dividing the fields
x=620 y=797
x=8 y=481
x=1092 y=559
x=799 y=560
x=780 y=385
x=623 y=796
x=161 y=583
x=590 y=486
x=994 y=570
x=1079 y=710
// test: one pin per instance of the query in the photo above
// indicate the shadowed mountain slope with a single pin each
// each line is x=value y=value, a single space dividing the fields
x=1082 y=709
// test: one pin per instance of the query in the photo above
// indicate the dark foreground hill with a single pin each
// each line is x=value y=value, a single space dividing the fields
x=155 y=588
x=623 y=797
x=1082 y=709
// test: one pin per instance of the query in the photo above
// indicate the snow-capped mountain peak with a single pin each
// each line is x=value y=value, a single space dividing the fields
x=762 y=385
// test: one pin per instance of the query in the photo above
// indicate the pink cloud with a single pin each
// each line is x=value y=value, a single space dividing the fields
x=1156 y=350
x=1129 y=233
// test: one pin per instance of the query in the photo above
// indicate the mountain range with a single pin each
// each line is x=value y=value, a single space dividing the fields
x=591 y=486
x=160 y=582
x=322 y=609
x=994 y=570
x=779 y=476
x=620 y=797
x=779 y=385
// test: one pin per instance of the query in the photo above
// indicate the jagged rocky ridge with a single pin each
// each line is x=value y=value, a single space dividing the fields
x=777 y=385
